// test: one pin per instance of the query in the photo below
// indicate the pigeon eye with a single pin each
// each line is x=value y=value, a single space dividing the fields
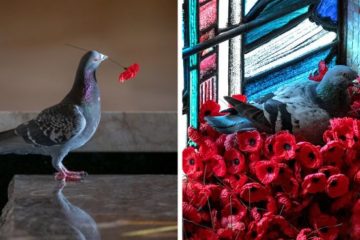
x=96 y=59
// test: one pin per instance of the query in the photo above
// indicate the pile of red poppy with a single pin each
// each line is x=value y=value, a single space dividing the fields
x=250 y=185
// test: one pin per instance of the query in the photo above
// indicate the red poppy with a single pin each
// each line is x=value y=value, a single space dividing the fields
x=252 y=233
x=213 y=164
x=337 y=185
x=190 y=213
x=266 y=171
x=253 y=192
x=195 y=135
x=233 y=223
x=344 y=201
x=255 y=214
x=269 y=146
x=192 y=165
x=207 y=131
x=234 y=207
x=308 y=155
x=276 y=226
x=328 y=136
x=236 y=181
x=326 y=226
x=209 y=108
x=235 y=161
x=284 y=145
x=196 y=193
x=343 y=130
x=205 y=234
x=284 y=201
x=329 y=170
x=130 y=72
x=291 y=187
x=271 y=205
x=307 y=234
x=314 y=183
x=355 y=221
x=249 y=141
x=230 y=141
x=320 y=73
x=332 y=153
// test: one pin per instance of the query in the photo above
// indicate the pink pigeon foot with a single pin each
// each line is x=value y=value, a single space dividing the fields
x=70 y=176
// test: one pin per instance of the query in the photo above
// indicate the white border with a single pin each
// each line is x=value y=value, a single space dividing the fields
x=181 y=118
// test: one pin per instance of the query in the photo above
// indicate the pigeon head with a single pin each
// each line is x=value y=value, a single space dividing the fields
x=92 y=60
x=333 y=89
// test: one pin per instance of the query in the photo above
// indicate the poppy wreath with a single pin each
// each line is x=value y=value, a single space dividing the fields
x=251 y=185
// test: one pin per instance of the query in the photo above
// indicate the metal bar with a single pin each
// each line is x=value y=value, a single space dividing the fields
x=241 y=28
x=342 y=31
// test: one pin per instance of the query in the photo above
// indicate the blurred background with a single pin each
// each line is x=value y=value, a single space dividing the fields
x=37 y=69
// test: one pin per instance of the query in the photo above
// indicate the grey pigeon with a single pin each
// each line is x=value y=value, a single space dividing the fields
x=65 y=126
x=302 y=108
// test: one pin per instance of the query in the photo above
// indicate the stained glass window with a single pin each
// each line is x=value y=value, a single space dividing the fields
x=253 y=46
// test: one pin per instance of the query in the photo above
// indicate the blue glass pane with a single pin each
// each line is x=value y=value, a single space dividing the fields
x=328 y=9
x=295 y=73
x=277 y=5
x=267 y=28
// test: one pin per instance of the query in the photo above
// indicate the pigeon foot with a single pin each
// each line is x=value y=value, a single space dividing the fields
x=70 y=176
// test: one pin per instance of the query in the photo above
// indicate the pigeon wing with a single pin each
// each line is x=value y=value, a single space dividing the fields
x=254 y=114
x=53 y=126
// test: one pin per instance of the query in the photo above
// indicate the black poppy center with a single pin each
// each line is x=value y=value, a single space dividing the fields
x=311 y=156
x=333 y=183
x=327 y=173
x=253 y=189
x=253 y=234
x=332 y=149
x=191 y=161
x=324 y=230
x=281 y=171
x=342 y=137
x=236 y=161
x=207 y=112
x=252 y=142
x=356 y=139
x=269 y=169
x=315 y=180
x=270 y=148
x=287 y=146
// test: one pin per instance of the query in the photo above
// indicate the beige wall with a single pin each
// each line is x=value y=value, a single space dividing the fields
x=36 y=69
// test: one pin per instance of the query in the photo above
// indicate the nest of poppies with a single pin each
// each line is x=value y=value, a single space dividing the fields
x=250 y=185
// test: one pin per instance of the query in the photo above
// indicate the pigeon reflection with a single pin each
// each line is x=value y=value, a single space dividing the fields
x=82 y=224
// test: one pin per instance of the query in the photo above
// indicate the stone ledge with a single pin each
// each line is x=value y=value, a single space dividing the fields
x=120 y=131
x=103 y=206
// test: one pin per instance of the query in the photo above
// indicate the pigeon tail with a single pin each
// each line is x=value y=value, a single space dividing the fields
x=230 y=123
x=12 y=143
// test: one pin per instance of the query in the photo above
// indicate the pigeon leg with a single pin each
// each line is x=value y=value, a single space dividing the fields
x=62 y=173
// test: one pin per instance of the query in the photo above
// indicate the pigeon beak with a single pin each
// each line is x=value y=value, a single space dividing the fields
x=103 y=57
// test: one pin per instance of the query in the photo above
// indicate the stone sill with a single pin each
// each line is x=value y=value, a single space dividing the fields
x=119 y=131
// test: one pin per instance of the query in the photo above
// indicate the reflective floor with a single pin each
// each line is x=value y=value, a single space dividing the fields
x=101 y=207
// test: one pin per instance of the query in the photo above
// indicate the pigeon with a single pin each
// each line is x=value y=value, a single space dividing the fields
x=304 y=108
x=68 y=125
